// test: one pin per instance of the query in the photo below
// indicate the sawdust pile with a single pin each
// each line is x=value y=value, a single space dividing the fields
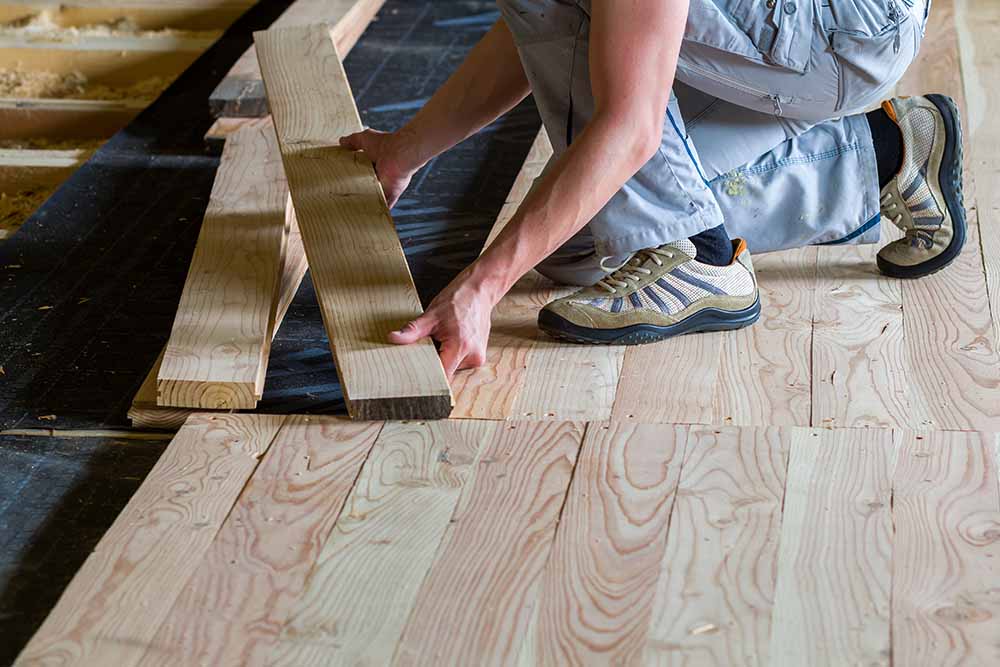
x=43 y=26
x=74 y=86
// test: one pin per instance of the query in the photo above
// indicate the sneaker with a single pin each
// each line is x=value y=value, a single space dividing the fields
x=925 y=198
x=659 y=293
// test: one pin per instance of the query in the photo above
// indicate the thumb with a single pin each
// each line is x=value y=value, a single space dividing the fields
x=356 y=142
x=413 y=331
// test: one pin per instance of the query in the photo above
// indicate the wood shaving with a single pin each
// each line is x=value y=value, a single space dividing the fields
x=74 y=86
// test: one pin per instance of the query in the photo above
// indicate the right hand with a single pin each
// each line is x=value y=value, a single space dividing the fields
x=383 y=149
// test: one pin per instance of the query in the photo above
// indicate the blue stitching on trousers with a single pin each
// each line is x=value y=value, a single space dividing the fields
x=856 y=233
x=686 y=147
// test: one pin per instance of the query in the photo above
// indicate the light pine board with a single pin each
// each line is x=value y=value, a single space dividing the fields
x=715 y=595
x=144 y=413
x=834 y=571
x=361 y=276
x=218 y=350
x=241 y=92
x=232 y=610
x=596 y=606
x=113 y=607
x=387 y=537
x=946 y=510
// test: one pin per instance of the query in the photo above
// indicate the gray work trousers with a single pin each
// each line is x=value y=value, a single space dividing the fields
x=764 y=131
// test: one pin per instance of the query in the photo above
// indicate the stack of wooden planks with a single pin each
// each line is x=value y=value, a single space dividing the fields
x=216 y=357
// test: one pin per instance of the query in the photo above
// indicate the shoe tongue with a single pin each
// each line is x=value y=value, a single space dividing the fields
x=686 y=247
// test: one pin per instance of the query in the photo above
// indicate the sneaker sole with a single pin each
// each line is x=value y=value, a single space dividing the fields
x=708 y=319
x=950 y=182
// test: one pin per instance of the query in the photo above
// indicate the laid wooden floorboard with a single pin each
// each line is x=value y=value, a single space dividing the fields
x=145 y=413
x=832 y=595
x=980 y=55
x=218 y=350
x=232 y=610
x=476 y=602
x=362 y=280
x=715 y=595
x=241 y=92
x=859 y=366
x=946 y=512
x=113 y=607
x=489 y=392
x=366 y=579
x=597 y=595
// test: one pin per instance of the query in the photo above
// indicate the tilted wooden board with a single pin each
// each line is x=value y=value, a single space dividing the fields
x=145 y=413
x=217 y=354
x=241 y=92
x=362 y=280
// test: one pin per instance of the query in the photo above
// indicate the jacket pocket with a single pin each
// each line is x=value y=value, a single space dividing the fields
x=777 y=32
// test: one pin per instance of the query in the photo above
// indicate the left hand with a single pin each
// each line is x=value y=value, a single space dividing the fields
x=459 y=319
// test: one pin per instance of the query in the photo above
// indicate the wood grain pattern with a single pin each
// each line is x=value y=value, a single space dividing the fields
x=859 y=369
x=476 y=602
x=241 y=92
x=764 y=370
x=597 y=594
x=489 y=392
x=144 y=413
x=218 y=350
x=946 y=500
x=833 y=590
x=366 y=579
x=233 y=609
x=978 y=25
x=715 y=595
x=113 y=607
x=361 y=276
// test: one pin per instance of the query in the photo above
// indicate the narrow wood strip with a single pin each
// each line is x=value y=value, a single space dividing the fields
x=366 y=578
x=832 y=596
x=715 y=596
x=362 y=280
x=29 y=118
x=475 y=605
x=232 y=610
x=489 y=392
x=198 y=15
x=221 y=129
x=597 y=595
x=218 y=350
x=859 y=359
x=979 y=21
x=946 y=512
x=116 y=602
x=241 y=93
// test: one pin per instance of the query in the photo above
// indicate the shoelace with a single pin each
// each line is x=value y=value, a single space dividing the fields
x=916 y=237
x=634 y=270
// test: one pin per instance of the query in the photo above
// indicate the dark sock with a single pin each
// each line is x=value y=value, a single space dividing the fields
x=714 y=246
x=888 y=142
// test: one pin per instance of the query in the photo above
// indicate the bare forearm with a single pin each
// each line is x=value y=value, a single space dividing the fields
x=570 y=194
x=487 y=85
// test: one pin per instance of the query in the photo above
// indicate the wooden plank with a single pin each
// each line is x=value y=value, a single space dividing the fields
x=27 y=118
x=241 y=92
x=832 y=596
x=232 y=610
x=218 y=350
x=946 y=512
x=116 y=602
x=597 y=594
x=367 y=577
x=29 y=169
x=476 y=602
x=145 y=413
x=979 y=23
x=859 y=374
x=715 y=596
x=221 y=129
x=361 y=276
